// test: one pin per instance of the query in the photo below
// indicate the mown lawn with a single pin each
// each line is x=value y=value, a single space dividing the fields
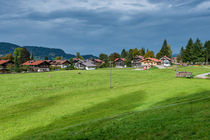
x=61 y=105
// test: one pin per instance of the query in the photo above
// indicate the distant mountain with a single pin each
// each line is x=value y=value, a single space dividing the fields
x=38 y=52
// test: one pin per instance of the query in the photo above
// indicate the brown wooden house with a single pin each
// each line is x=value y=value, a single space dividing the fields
x=37 y=66
x=5 y=65
x=136 y=62
x=60 y=64
x=120 y=62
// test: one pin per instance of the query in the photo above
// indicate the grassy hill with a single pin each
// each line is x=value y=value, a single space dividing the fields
x=141 y=105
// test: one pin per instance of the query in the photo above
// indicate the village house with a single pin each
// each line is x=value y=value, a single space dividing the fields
x=60 y=64
x=98 y=62
x=136 y=62
x=4 y=65
x=37 y=66
x=150 y=62
x=84 y=65
x=120 y=62
x=166 y=61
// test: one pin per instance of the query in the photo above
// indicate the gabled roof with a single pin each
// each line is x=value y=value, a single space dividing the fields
x=165 y=57
x=139 y=56
x=34 y=63
x=87 y=63
x=59 y=62
x=152 y=59
x=3 y=62
x=123 y=59
x=99 y=61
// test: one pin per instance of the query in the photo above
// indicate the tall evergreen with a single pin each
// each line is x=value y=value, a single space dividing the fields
x=124 y=53
x=197 y=52
x=187 y=57
x=142 y=51
x=207 y=51
x=182 y=53
x=165 y=50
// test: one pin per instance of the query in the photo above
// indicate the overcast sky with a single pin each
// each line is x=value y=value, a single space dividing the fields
x=95 y=26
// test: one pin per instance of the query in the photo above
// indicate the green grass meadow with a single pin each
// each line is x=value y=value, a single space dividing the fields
x=67 y=105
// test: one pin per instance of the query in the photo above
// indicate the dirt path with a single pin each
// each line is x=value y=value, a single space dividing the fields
x=203 y=76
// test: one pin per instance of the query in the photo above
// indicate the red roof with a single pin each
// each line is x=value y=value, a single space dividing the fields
x=139 y=56
x=59 y=62
x=153 y=59
x=123 y=59
x=3 y=62
x=99 y=61
x=34 y=63
x=166 y=57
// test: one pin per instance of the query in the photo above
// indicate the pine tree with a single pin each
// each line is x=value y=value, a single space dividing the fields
x=124 y=53
x=188 y=51
x=197 y=52
x=207 y=51
x=182 y=54
x=142 y=51
x=165 y=50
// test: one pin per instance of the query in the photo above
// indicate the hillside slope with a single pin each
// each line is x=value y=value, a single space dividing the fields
x=38 y=52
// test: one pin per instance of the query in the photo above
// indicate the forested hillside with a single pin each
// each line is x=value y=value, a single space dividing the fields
x=38 y=52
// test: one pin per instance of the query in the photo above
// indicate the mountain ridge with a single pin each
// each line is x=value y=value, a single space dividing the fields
x=39 y=52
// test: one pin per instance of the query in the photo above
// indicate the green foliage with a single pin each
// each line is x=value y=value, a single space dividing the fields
x=32 y=56
x=194 y=52
x=58 y=58
x=114 y=56
x=21 y=55
x=16 y=68
x=124 y=54
x=9 y=57
x=79 y=56
x=158 y=55
x=46 y=58
x=165 y=50
x=142 y=51
x=149 y=53
x=105 y=58
x=207 y=51
x=71 y=64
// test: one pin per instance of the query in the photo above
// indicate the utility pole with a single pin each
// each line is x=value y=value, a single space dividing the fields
x=110 y=74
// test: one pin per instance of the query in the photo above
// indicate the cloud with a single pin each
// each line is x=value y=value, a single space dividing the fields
x=203 y=6
x=103 y=25
x=115 y=5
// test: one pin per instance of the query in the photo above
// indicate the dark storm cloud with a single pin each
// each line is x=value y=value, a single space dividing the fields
x=105 y=26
